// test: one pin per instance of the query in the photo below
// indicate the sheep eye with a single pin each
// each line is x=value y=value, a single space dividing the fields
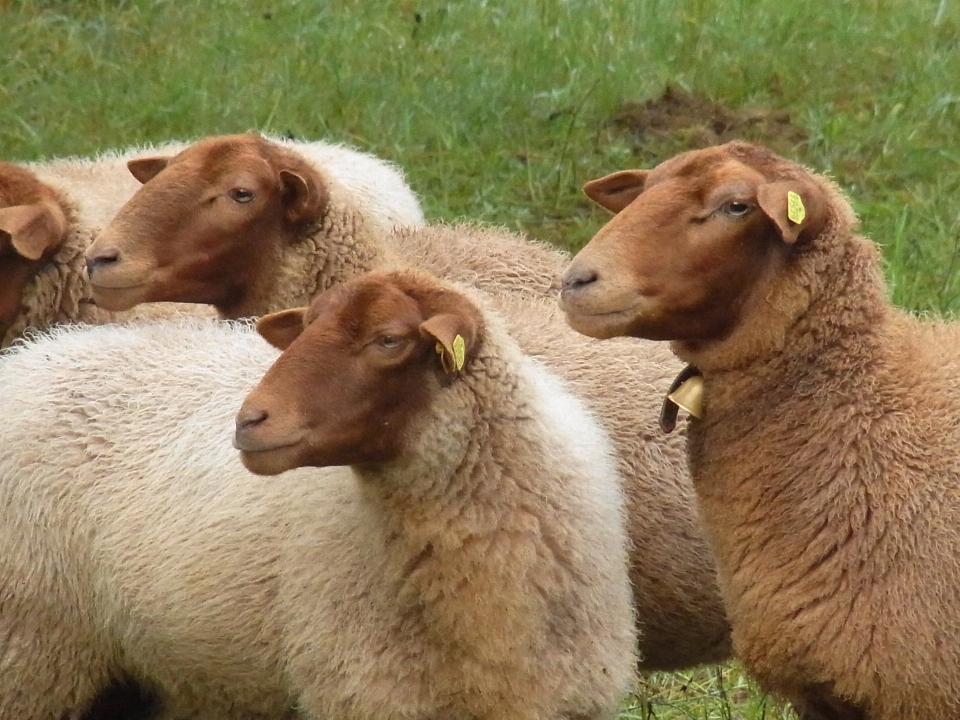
x=241 y=195
x=390 y=341
x=736 y=208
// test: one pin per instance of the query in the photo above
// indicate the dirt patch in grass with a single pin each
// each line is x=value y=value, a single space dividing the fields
x=679 y=120
x=652 y=131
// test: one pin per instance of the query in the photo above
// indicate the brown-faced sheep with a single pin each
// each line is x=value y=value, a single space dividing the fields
x=251 y=226
x=825 y=459
x=471 y=561
x=240 y=258
x=43 y=235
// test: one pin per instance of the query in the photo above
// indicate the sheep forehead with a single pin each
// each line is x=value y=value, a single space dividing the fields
x=362 y=306
x=212 y=158
x=700 y=171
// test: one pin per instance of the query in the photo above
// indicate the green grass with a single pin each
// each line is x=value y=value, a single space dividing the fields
x=500 y=110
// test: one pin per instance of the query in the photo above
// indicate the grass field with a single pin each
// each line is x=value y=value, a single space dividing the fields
x=500 y=110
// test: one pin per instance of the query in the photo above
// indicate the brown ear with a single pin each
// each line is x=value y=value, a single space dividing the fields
x=303 y=200
x=796 y=207
x=617 y=190
x=33 y=229
x=282 y=328
x=147 y=168
x=455 y=335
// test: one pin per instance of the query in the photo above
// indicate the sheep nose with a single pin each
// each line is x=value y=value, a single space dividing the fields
x=248 y=419
x=576 y=278
x=102 y=258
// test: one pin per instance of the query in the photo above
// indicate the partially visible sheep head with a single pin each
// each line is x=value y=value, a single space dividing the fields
x=692 y=240
x=207 y=224
x=32 y=228
x=356 y=366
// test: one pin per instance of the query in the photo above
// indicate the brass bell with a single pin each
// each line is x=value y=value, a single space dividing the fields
x=689 y=396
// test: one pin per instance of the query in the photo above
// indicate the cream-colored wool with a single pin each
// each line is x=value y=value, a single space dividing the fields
x=345 y=246
x=377 y=186
x=826 y=462
x=491 y=259
x=141 y=547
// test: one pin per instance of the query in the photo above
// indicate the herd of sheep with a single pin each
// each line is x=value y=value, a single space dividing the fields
x=477 y=512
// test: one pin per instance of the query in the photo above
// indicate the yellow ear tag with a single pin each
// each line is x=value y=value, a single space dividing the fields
x=454 y=362
x=459 y=351
x=796 y=212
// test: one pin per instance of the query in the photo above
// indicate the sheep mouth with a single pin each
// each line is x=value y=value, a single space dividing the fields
x=117 y=298
x=115 y=290
x=268 y=458
x=253 y=446
x=603 y=324
x=625 y=312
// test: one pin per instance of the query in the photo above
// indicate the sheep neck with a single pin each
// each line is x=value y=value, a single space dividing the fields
x=343 y=246
x=781 y=465
x=824 y=353
x=457 y=514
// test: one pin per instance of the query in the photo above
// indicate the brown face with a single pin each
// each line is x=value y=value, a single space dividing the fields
x=206 y=226
x=356 y=366
x=680 y=260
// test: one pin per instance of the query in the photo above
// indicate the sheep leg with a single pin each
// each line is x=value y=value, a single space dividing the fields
x=819 y=703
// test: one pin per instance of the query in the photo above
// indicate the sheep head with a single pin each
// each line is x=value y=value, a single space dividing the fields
x=690 y=243
x=32 y=228
x=209 y=225
x=357 y=365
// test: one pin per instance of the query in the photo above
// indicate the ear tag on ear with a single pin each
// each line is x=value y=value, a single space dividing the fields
x=459 y=351
x=796 y=212
x=455 y=361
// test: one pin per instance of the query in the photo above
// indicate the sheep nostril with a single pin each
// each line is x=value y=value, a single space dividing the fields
x=107 y=257
x=248 y=419
x=574 y=279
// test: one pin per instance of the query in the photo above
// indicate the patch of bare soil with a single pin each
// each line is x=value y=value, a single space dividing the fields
x=682 y=121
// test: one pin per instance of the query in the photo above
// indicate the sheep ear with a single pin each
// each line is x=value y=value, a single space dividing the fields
x=33 y=229
x=147 y=168
x=455 y=336
x=617 y=190
x=797 y=208
x=303 y=201
x=282 y=328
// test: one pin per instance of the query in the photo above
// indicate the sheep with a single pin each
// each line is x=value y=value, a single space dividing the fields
x=251 y=265
x=285 y=228
x=823 y=452
x=44 y=231
x=470 y=561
